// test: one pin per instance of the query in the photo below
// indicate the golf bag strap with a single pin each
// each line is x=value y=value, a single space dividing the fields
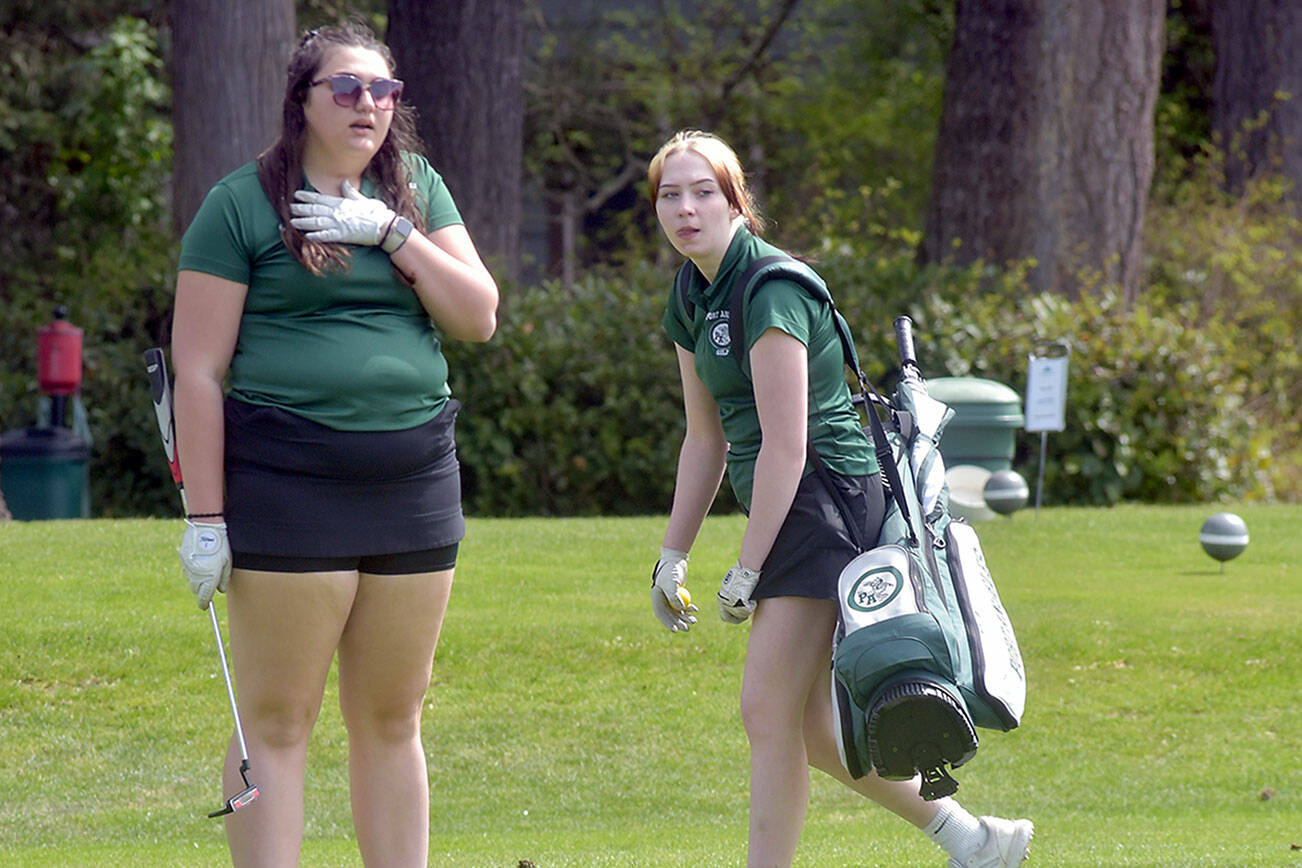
x=886 y=457
x=783 y=267
x=682 y=285
x=847 y=517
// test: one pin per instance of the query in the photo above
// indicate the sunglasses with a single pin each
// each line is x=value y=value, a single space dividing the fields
x=347 y=88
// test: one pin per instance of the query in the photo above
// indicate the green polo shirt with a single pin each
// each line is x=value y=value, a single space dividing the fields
x=834 y=425
x=353 y=350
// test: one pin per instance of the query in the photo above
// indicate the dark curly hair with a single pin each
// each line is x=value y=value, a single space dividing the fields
x=280 y=167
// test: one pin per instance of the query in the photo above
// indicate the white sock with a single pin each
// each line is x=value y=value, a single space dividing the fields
x=956 y=831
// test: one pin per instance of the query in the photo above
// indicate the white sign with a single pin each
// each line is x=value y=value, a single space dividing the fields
x=1046 y=394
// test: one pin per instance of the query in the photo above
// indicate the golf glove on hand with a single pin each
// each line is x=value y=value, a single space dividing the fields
x=669 y=599
x=348 y=219
x=205 y=559
x=735 y=604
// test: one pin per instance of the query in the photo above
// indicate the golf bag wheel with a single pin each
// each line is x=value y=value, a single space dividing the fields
x=916 y=727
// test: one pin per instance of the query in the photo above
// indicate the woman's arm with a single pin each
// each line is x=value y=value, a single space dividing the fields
x=779 y=365
x=451 y=281
x=205 y=324
x=700 y=460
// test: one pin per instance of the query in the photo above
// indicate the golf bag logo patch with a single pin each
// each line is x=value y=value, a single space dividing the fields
x=875 y=589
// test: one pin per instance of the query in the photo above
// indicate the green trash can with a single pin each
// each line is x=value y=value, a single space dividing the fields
x=987 y=415
x=44 y=473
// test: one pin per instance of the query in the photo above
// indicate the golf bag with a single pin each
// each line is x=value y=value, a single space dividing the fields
x=924 y=651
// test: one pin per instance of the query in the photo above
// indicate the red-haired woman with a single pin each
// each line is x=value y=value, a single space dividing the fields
x=752 y=410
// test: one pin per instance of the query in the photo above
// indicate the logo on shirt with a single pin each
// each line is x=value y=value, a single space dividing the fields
x=719 y=337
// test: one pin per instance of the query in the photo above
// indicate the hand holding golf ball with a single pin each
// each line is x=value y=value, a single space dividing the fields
x=670 y=601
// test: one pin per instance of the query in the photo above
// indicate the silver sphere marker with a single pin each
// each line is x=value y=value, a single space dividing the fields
x=1224 y=536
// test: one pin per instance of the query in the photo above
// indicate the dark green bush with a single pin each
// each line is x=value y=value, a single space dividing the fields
x=99 y=174
x=1156 y=402
x=574 y=407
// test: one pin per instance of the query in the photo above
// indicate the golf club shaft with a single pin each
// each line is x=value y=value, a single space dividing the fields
x=161 y=392
x=226 y=674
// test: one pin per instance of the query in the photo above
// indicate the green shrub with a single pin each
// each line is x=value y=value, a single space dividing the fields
x=107 y=256
x=1238 y=258
x=575 y=406
x=1156 y=405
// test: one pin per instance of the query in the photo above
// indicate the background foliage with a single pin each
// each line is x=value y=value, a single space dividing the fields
x=573 y=408
x=87 y=123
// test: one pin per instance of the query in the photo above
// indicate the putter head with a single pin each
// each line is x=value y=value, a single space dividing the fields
x=243 y=798
x=239 y=800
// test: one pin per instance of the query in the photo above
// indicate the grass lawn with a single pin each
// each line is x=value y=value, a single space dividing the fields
x=565 y=726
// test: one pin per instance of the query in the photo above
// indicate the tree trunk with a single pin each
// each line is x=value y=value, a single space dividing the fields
x=228 y=81
x=462 y=63
x=1045 y=147
x=1257 y=94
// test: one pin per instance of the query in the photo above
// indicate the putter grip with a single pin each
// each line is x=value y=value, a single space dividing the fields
x=904 y=340
x=161 y=393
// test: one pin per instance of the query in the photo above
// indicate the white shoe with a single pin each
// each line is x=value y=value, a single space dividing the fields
x=1008 y=842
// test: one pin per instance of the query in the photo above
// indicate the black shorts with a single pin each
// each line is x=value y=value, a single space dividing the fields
x=814 y=543
x=399 y=564
x=313 y=495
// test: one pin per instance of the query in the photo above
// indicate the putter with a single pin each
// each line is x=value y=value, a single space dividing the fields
x=161 y=392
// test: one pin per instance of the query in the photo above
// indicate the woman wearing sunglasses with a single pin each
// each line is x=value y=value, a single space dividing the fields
x=319 y=281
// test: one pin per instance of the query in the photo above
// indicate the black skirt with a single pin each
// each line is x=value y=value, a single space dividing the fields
x=297 y=488
x=814 y=543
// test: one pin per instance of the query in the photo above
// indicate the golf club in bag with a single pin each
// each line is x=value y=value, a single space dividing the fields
x=161 y=392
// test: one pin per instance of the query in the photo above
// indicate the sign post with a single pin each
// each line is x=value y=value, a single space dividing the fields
x=1046 y=396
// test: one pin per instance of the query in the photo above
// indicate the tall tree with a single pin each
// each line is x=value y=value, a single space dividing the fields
x=1257 y=94
x=228 y=79
x=1045 y=146
x=461 y=61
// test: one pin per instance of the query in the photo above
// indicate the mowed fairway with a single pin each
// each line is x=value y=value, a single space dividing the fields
x=566 y=727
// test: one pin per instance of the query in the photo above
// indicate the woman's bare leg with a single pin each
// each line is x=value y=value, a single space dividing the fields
x=385 y=657
x=788 y=641
x=787 y=713
x=284 y=628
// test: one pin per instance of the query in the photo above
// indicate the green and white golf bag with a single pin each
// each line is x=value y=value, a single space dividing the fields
x=925 y=651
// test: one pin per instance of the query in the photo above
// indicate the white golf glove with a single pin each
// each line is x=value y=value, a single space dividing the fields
x=205 y=559
x=669 y=599
x=735 y=604
x=348 y=219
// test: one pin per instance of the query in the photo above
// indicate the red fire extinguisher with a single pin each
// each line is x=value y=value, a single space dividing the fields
x=59 y=355
x=58 y=362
